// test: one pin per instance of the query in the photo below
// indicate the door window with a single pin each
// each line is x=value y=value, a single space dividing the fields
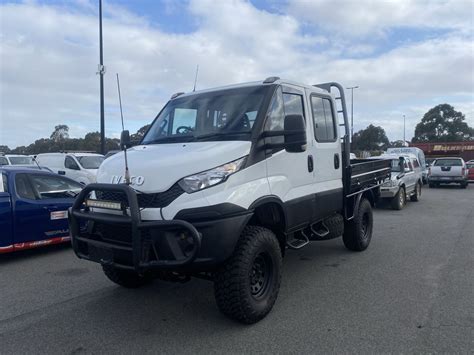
x=293 y=104
x=23 y=187
x=50 y=186
x=69 y=163
x=3 y=161
x=324 y=119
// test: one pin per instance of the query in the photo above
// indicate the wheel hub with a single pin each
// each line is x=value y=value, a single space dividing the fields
x=259 y=275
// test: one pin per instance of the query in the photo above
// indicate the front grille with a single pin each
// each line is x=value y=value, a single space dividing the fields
x=155 y=200
x=114 y=233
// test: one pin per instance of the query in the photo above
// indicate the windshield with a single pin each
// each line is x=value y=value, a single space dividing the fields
x=220 y=115
x=90 y=162
x=21 y=160
x=448 y=162
x=395 y=165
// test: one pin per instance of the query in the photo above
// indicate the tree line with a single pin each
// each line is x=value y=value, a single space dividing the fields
x=441 y=123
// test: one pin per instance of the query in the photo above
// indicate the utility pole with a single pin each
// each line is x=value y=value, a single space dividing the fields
x=352 y=109
x=101 y=73
x=404 y=141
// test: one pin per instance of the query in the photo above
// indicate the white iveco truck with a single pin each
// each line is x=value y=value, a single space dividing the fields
x=224 y=181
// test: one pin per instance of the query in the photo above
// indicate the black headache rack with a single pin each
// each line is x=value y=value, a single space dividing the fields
x=120 y=238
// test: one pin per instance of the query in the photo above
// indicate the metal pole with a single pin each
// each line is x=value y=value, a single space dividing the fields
x=404 y=141
x=101 y=73
x=352 y=109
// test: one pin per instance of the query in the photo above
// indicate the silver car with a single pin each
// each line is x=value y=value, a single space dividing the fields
x=406 y=180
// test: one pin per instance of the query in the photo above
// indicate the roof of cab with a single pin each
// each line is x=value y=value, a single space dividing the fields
x=274 y=81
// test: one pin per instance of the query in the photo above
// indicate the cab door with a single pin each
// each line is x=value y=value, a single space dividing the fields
x=326 y=151
x=290 y=175
x=40 y=206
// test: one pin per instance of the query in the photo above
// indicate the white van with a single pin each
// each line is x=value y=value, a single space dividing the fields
x=15 y=159
x=81 y=167
x=418 y=153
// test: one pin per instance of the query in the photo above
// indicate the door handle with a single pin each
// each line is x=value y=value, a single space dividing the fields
x=310 y=163
x=336 y=161
x=61 y=172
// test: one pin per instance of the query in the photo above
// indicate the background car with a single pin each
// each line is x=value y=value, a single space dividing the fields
x=81 y=167
x=470 y=173
x=15 y=159
x=34 y=208
x=448 y=171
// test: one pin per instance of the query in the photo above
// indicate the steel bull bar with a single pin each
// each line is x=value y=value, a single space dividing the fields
x=142 y=240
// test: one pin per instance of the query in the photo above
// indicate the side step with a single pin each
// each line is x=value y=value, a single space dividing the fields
x=298 y=243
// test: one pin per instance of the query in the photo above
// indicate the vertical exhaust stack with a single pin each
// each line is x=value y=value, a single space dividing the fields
x=124 y=137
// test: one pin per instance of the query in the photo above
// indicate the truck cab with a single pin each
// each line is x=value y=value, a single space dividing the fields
x=224 y=181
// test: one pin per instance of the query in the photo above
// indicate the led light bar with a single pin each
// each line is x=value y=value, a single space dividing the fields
x=110 y=205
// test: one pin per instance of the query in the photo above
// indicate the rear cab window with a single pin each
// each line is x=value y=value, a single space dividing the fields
x=448 y=162
x=324 y=119
x=23 y=187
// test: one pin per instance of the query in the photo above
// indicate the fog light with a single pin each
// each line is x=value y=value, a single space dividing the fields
x=110 y=205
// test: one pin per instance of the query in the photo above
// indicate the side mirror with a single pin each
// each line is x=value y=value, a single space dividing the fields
x=427 y=165
x=295 y=134
x=125 y=140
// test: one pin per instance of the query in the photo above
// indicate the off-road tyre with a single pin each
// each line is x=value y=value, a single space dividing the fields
x=335 y=226
x=358 y=231
x=125 y=278
x=464 y=185
x=399 y=200
x=246 y=286
x=416 y=195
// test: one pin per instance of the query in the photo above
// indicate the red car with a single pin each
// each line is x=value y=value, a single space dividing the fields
x=470 y=174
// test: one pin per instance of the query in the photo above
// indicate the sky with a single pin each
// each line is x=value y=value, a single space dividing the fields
x=406 y=56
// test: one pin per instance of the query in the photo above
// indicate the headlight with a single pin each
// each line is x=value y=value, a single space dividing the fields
x=211 y=177
x=390 y=183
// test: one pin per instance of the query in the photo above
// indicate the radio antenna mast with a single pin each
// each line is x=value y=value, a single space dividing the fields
x=127 y=173
x=196 y=78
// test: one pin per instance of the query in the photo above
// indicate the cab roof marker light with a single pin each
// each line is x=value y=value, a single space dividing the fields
x=271 y=79
x=174 y=96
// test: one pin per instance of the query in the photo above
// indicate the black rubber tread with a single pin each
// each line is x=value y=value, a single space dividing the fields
x=415 y=197
x=395 y=203
x=232 y=284
x=125 y=278
x=464 y=185
x=335 y=225
x=431 y=186
x=353 y=236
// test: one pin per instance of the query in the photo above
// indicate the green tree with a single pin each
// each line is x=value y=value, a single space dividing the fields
x=137 y=137
x=372 y=138
x=4 y=149
x=397 y=144
x=443 y=123
x=60 y=133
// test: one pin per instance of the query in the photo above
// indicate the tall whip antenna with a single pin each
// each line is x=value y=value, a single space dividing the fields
x=127 y=173
x=196 y=78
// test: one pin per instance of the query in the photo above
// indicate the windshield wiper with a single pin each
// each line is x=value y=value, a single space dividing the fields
x=219 y=134
x=170 y=139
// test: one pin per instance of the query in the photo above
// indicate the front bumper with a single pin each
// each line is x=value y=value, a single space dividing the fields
x=128 y=242
x=388 y=191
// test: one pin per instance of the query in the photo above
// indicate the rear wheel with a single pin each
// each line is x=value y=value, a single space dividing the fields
x=416 y=195
x=247 y=285
x=126 y=278
x=463 y=185
x=358 y=231
x=399 y=200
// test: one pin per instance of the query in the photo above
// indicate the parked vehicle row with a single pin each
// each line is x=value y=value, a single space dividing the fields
x=15 y=159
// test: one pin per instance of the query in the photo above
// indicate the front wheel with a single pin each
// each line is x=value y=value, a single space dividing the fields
x=399 y=200
x=246 y=286
x=358 y=231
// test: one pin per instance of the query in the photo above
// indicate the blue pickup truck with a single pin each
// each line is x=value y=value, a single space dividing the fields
x=33 y=208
